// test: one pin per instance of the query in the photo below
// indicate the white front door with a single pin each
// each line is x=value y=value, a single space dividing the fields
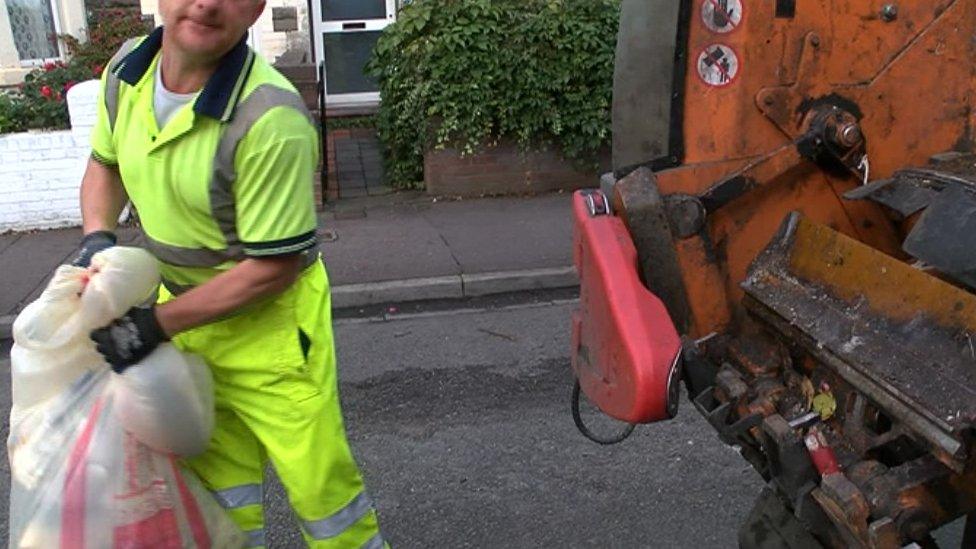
x=344 y=34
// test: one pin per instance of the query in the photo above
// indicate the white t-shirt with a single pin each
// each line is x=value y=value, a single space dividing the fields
x=165 y=102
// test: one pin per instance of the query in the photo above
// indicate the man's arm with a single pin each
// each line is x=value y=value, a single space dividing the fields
x=131 y=338
x=246 y=283
x=102 y=197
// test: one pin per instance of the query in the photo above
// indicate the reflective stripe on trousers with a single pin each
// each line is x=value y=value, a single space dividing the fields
x=255 y=538
x=329 y=527
x=375 y=543
x=338 y=522
x=243 y=496
x=239 y=496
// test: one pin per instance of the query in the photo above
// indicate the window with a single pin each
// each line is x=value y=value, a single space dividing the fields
x=340 y=10
x=345 y=34
x=35 y=30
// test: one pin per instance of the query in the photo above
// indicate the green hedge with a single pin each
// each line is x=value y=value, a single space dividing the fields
x=463 y=73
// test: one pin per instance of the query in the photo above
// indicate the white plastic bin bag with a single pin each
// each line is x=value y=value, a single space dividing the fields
x=93 y=454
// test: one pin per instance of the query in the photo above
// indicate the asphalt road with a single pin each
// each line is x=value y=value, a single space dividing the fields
x=460 y=421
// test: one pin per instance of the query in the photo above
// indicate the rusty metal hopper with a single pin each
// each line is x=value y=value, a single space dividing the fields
x=902 y=337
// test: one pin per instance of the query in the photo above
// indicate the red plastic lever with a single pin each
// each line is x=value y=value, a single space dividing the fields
x=625 y=347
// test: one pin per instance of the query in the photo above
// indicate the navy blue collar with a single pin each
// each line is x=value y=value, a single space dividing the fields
x=222 y=91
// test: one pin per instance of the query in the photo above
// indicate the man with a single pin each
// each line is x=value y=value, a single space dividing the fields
x=216 y=152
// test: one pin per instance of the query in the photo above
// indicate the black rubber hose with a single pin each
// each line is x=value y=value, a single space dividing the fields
x=622 y=436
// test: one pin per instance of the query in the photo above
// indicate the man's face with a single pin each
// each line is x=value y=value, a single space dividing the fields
x=207 y=29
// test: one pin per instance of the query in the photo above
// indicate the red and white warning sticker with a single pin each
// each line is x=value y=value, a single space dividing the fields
x=718 y=65
x=721 y=16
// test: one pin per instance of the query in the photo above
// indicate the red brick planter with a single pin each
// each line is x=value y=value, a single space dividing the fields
x=305 y=80
x=504 y=169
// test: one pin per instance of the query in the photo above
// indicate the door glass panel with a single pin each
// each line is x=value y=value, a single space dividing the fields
x=345 y=56
x=339 y=10
x=32 y=23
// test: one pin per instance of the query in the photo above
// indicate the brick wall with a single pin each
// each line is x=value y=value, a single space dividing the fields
x=503 y=169
x=305 y=80
x=40 y=172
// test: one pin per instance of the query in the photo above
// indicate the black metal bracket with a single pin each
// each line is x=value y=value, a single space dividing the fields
x=325 y=131
x=717 y=414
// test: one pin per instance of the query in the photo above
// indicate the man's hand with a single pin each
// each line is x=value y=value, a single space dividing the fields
x=93 y=243
x=129 y=339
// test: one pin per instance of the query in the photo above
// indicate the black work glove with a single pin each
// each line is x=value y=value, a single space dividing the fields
x=91 y=244
x=129 y=339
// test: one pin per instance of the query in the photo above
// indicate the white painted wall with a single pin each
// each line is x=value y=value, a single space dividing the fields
x=40 y=172
x=271 y=44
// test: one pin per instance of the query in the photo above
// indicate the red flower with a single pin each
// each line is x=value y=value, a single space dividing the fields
x=69 y=85
x=58 y=96
x=97 y=71
x=48 y=67
x=46 y=91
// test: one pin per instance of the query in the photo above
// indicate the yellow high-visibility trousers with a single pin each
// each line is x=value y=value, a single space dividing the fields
x=274 y=370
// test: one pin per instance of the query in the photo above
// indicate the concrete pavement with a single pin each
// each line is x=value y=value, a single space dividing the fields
x=383 y=249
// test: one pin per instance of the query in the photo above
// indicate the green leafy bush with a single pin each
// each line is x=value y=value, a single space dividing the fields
x=39 y=102
x=12 y=113
x=348 y=122
x=464 y=73
x=108 y=29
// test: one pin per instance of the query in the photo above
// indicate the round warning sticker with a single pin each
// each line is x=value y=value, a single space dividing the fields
x=718 y=65
x=722 y=15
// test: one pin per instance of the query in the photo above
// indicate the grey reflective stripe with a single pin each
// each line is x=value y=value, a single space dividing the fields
x=309 y=257
x=255 y=538
x=336 y=524
x=264 y=98
x=376 y=542
x=191 y=257
x=113 y=82
x=239 y=496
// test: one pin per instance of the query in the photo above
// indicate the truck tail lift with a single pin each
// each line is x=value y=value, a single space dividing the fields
x=790 y=230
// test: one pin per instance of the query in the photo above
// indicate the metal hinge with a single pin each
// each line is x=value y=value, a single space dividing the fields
x=597 y=203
